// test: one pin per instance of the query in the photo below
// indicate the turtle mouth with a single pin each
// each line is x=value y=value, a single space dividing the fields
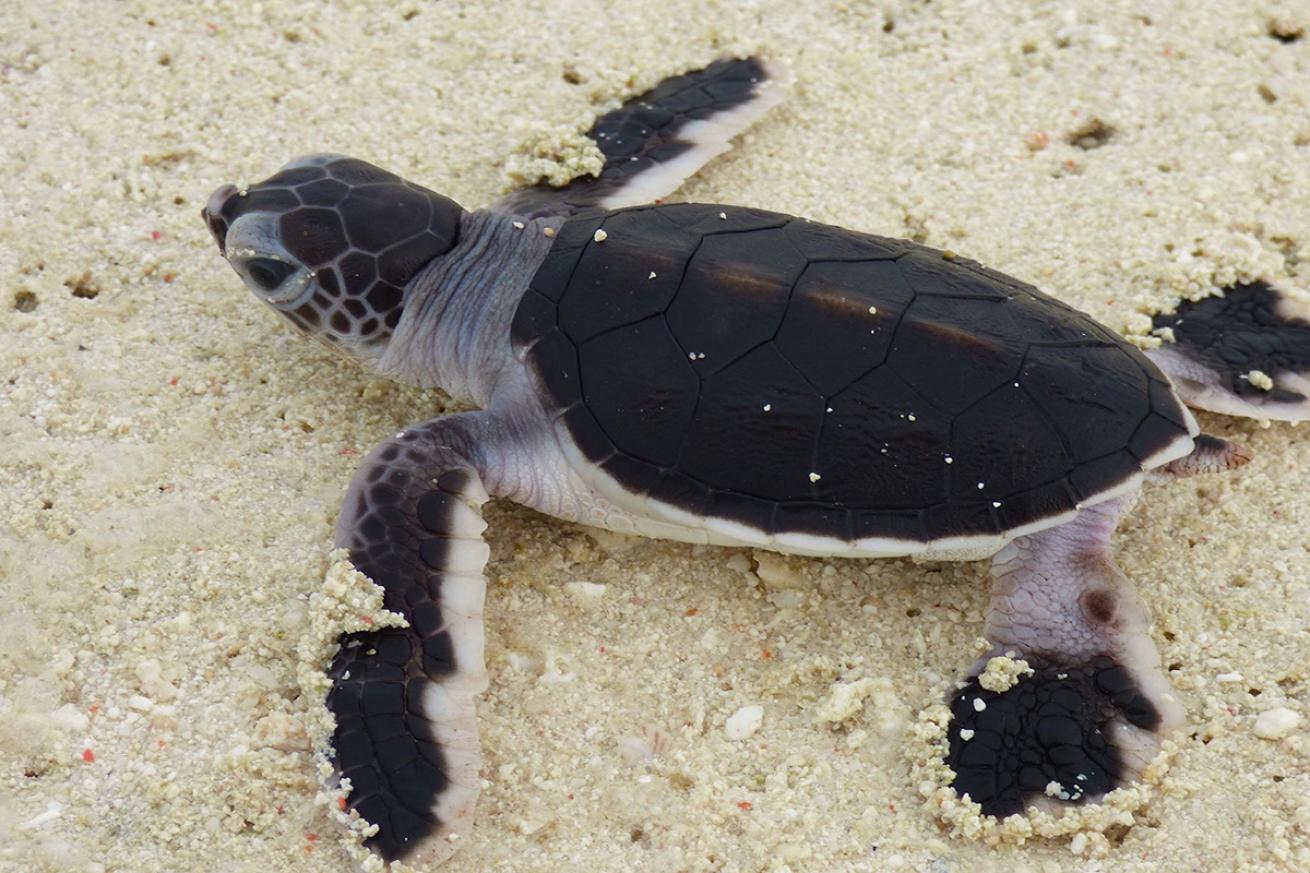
x=212 y=213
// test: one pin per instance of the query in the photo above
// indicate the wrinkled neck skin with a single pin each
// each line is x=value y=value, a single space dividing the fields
x=455 y=331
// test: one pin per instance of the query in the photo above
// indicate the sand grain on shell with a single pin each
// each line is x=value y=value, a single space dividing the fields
x=172 y=457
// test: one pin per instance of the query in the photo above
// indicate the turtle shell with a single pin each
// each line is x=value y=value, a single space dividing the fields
x=800 y=378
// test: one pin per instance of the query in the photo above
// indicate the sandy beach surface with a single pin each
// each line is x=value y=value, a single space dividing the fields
x=172 y=457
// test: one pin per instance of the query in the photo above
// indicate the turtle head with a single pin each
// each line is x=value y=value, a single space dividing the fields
x=331 y=243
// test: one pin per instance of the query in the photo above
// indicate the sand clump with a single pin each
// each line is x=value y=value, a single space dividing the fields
x=172 y=457
x=1003 y=672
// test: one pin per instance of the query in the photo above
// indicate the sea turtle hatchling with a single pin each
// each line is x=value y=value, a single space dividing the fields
x=724 y=375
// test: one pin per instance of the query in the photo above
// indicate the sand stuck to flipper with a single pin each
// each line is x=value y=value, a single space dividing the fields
x=348 y=603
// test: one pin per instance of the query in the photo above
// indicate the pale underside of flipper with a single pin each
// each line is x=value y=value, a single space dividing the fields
x=1245 y=352
x=655 y=141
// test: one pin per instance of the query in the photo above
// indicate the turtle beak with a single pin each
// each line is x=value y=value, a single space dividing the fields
x=213 y=214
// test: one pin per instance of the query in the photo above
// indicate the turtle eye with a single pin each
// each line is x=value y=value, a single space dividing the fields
x=268 y=273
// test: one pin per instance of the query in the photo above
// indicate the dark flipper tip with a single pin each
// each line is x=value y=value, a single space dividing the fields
x=390 y=754
x=1246 y=352
x=1049 y=735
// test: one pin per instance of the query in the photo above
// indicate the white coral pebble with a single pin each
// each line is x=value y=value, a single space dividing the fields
x=744 y=722
x=1276 y=723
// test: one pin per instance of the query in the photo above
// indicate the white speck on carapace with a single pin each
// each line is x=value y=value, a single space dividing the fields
x=723 y=216
x=949 y=459
x=829 y=409
x=652 y=275
x=518 y=225
x=911 y=417
x=980 y=485
x=548 y=231
x=979 y=704
x=873 y=310
x=768 y=406
x=815 y=477
x=600 y=235
x=996 y=504
x=966 y=734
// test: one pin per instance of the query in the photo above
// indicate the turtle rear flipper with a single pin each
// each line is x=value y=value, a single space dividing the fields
x=655 y=141
x=1244 y=353
x=1093 y=706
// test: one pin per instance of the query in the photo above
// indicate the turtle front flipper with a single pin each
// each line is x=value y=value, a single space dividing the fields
x=406 y=727
x=1094 y=706
x=1245 y=353
x=658 y=139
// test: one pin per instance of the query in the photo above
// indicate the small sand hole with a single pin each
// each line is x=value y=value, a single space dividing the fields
x=1116 y=834
x=1092 y=135
x=1266 y=93
x=636 y=835
x=572 y=76
x=25 y=301
x=179 y=200
x=889 y=25
x=47 y=504
x=913 y=612
x=164 y=60
x=1284 y=30
x=292 y=36
x=83 y=286
x=409 y=14
x=1170 y=636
